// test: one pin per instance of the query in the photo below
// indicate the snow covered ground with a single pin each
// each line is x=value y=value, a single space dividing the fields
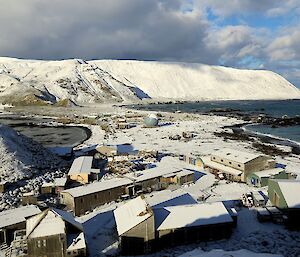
x=250 y=238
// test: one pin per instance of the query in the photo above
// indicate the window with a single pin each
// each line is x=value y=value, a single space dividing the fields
x=239 y=165
x=221 y=160
x=230 y=163
x=214 y=158
x=81 y=200
x=44 y=242
x=39 y=244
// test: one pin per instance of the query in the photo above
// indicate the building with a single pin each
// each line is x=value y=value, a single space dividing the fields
x=135 y=226
x=55 y=233
x=143 y=229
x=179 y=178
x=15 y=219
x=166 y=198
x=29 y=198
x=191 y=159
x=54 y=187
x=85 y=198
x=261 y=178
x=83 y=171
x=183 y=224
x=237 y=165
x=2 y=186
x=160 y=177
x=284 y=194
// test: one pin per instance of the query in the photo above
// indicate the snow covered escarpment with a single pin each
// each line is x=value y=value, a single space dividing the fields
x=71 y=82
x=194 y=81
x=21 y=157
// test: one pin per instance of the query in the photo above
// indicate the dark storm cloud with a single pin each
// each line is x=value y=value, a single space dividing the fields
x=140 y=29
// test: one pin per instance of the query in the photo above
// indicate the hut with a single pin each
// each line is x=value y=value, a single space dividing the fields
x=135 y=226
x=29 y=198
x=284 y=194
x=54 y=233
x=176 y=225
x=82 y=170
x=15 y=219
x=261 y=178
x=85 y=198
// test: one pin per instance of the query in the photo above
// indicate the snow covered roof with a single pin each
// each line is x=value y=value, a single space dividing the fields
x=97 y=187
x=50 y=222
x=169 y=198
x=191 y=215
x=131 y=214
x=60 y=182
x=290 y=190
x=223 y=168
x=268 y=173
x=235 y=155
x=48 y=225
x=76 y=242
x=82 y=164
x=18 y=215
x=153 y=173
x=184 y=172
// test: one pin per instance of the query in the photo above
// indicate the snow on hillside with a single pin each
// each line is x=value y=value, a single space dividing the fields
x=52 y=81
x=193 y=81
x=25 y=82
x=21 y=157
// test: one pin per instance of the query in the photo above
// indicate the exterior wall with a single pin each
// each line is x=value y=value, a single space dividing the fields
x=174 y=237
x=80 y=205
x=29 y=200
x=263 y=181
x=226 y=175
x=185 y=179
x=258 y=164
x=8 y=232
x=46 y=190
x=2 y=187
x=151 y=184
x=275 y=195
x=228 y=162
x=51 y=246
x=82 y=178
x=68 y=200
x=139 y=239
x=75 y=253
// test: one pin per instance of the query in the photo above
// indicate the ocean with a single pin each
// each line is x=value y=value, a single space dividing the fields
x=272 y=108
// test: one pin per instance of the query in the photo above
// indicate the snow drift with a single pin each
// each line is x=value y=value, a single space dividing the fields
x=21 y=157
x=26 y=82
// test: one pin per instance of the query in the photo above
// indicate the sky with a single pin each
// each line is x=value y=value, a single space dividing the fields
x=255 y=34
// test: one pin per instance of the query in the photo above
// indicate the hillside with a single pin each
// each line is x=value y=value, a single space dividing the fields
x=22 y=157
x=32 y=82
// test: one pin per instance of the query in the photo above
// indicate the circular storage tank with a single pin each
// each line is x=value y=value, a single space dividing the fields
x=151 y=120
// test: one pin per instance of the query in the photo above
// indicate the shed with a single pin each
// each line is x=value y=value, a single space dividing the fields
x=135 y=226
x=284 y=194
x=177 y=225
x=85 y=198
x=15 y=219
x=55 y=233
x=82 y=170
x=261 y=178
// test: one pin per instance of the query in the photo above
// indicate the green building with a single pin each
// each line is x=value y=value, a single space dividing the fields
x=261 y=178
x=285 y=195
